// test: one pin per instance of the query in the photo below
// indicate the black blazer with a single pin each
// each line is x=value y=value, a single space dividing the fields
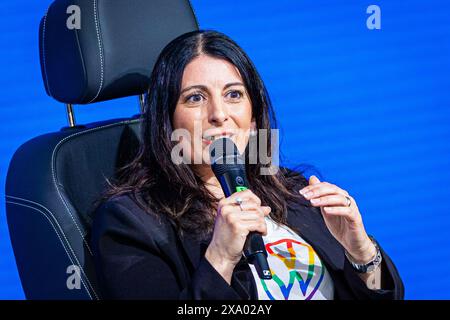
x=138 y=256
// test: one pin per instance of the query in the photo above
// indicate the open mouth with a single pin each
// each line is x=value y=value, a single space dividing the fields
x=208 y=139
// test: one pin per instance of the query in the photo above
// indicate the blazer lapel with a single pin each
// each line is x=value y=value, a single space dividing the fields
x=193 y=248
x=242 y=281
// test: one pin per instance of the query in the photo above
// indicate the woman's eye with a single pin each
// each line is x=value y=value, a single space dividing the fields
x=195 y=98
x=235 y=94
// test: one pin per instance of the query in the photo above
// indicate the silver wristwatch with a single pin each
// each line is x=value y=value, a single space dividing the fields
x=371 y=265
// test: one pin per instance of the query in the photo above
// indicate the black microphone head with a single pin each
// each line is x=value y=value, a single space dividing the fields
x=224 y=155
x=222 y=149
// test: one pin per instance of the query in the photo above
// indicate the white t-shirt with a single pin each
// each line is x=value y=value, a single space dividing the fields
x=297 y=271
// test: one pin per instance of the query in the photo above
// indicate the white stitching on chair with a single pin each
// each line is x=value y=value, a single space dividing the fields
x=43 y=51
x=65 y=249
x=97 y=28
x=54 y=175
x=62 y=231
x=54 y=181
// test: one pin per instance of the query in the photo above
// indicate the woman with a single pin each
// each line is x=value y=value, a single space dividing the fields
x=165 y=230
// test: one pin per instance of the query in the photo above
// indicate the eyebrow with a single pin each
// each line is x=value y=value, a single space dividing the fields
x=202 y=87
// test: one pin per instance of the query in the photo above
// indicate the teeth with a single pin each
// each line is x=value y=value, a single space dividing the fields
x=212 y=138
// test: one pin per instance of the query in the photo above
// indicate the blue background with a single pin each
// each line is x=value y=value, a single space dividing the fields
x=369 y=108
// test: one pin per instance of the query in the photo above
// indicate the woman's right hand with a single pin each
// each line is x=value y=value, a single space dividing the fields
x=232 y=226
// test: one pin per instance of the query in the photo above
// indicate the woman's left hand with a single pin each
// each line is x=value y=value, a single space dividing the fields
x=343 y=221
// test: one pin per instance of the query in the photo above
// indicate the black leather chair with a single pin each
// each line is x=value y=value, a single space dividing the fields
x=54 y=178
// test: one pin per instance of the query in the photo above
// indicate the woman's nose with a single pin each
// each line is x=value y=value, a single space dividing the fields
x=217 y=112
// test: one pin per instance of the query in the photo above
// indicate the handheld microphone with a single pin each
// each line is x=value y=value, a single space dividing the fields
x=229 y=168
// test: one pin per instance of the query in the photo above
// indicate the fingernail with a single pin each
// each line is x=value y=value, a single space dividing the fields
x=308 y=195
x=315 y=201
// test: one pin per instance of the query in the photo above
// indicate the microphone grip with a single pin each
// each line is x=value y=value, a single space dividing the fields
x=256 y=254
x=254 y=248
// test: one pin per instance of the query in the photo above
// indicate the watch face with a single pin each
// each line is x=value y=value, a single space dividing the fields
x=375 y=263
x=371 y=268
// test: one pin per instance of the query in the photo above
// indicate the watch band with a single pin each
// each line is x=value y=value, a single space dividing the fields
x=371 y=265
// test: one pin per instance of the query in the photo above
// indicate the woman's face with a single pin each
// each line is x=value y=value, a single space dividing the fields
x=213 y=103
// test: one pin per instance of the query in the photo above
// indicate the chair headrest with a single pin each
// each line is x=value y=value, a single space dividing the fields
x=110 y=51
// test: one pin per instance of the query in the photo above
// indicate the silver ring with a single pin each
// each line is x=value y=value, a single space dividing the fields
x=349 y=201
x=239 y=202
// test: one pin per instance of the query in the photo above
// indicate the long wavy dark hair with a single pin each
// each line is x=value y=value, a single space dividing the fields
x=174 y=190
